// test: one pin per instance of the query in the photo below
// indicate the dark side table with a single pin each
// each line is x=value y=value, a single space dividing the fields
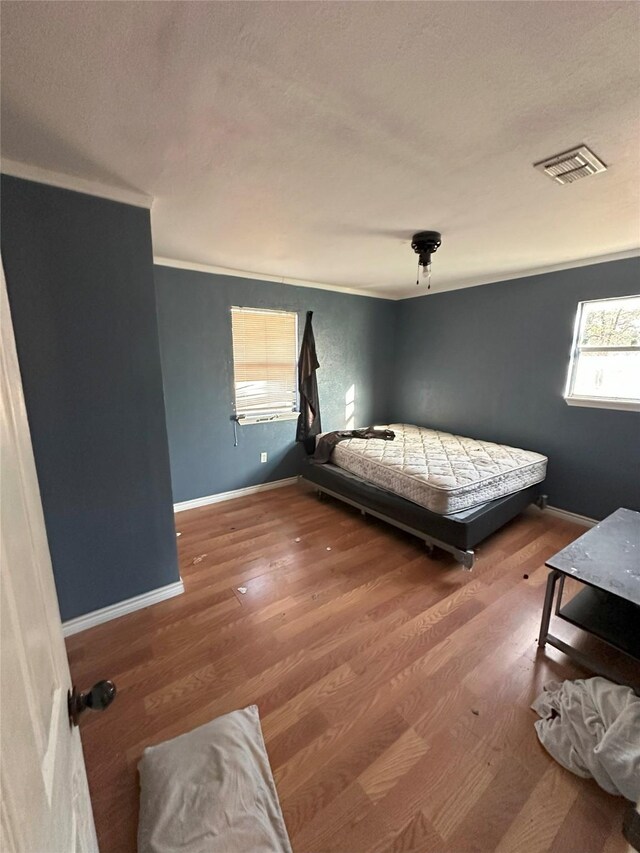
x=606 y=561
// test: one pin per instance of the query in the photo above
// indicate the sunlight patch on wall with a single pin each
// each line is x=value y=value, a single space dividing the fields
x=350 y=408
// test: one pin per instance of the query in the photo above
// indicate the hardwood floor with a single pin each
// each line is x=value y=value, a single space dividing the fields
x=393 y=688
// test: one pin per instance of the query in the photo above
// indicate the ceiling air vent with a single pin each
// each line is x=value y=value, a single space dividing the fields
x=571 y=165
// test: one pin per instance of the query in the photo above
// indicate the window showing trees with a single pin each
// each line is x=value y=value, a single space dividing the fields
x=605 y=362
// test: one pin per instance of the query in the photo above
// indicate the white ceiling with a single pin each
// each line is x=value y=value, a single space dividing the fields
x=310 y=140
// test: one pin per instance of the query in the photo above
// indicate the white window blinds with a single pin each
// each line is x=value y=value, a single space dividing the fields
x=265 y=349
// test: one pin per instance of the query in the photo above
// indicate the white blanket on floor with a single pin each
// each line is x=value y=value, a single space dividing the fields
x=592 y=727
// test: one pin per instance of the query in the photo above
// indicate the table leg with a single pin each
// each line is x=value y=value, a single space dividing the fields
x=548 y=605
x=559 y=595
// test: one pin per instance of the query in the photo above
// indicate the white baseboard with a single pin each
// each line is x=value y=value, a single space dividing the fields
x=105 y=614
x=236 y=493
x=565 y=515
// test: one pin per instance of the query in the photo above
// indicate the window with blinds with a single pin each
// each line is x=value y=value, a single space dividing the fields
x=265 y=352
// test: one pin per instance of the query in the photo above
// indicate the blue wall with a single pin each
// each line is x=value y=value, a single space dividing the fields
x=488 y=362
x=80 y=280
x=355 y=344
x=491 y=362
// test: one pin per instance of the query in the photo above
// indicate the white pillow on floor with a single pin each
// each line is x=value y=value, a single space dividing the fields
x=211 y=790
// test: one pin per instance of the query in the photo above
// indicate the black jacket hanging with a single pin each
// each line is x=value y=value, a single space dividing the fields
x=309 y=420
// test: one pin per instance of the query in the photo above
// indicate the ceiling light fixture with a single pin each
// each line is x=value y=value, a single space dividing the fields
x=424 y=244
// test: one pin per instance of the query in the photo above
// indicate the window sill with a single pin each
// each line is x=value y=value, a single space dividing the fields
x=245 y=420
x=604 y=403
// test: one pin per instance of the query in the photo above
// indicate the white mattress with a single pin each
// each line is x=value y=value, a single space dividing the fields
x=442 y=472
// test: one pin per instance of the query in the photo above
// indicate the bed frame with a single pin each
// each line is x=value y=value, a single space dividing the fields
x=458 y=533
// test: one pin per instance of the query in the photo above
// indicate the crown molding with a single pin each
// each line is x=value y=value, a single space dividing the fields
x=296 y=282
x=16 y=169
x=70 y=182
x=390 y=295
x=508 y=276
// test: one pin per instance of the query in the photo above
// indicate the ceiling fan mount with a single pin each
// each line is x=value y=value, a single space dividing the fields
x=425 y=244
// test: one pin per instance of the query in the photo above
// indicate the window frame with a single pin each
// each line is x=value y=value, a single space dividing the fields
x=571 y=399
x=267 y=417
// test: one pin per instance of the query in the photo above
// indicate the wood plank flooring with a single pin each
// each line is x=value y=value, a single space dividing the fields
x=393 y=688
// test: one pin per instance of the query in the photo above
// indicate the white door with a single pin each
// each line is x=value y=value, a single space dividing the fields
x=45 y=798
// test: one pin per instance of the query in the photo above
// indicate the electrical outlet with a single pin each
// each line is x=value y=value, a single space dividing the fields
x=263 y=456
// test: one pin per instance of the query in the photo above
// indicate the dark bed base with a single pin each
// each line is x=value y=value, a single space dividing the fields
x=458 y=534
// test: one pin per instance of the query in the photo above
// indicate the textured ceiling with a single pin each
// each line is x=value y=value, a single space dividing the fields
x=310 y=140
